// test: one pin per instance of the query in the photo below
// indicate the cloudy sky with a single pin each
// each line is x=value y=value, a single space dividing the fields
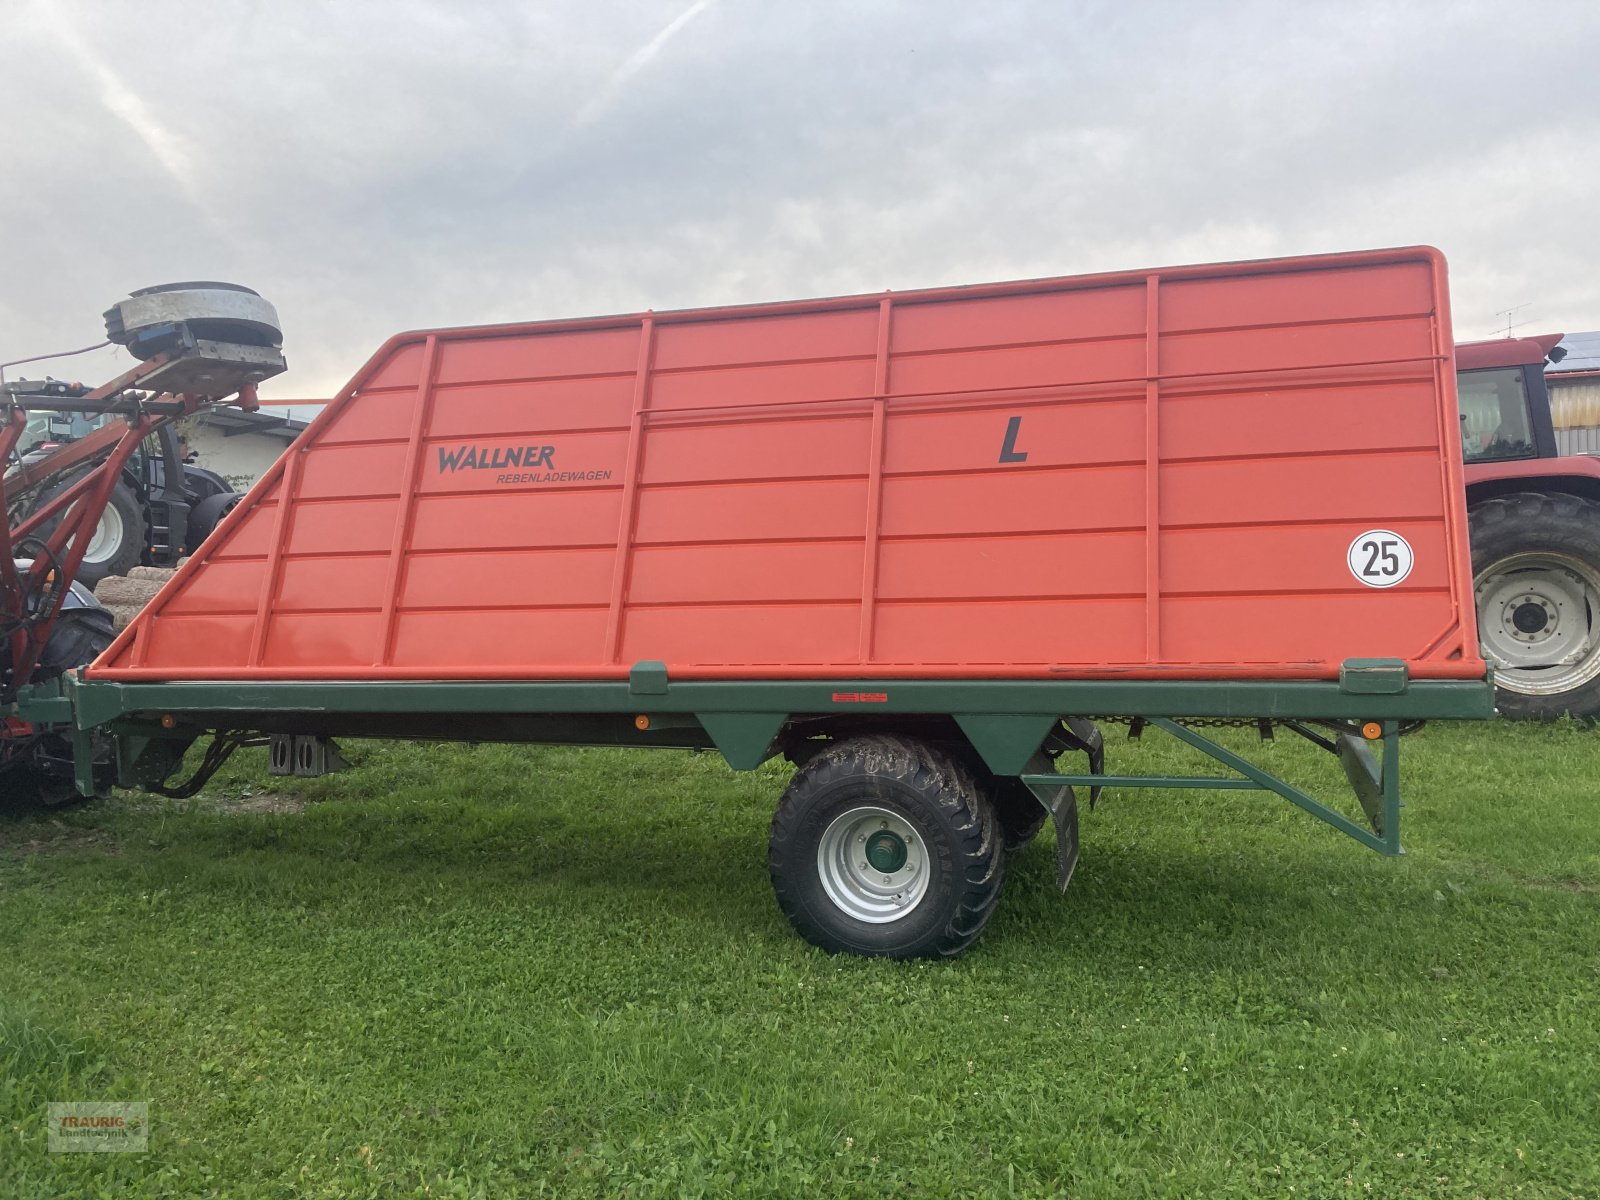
x=372 y=167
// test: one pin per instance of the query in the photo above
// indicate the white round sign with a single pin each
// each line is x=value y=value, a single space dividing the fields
x=1380 y=558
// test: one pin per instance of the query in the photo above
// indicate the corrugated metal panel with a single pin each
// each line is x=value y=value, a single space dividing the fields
x=1574 y=405
x=1582 y=440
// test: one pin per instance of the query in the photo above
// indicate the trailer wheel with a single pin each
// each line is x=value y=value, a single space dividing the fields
x=117 y=543
x=885 y=846
x=1020 y=814
x=1536 y=577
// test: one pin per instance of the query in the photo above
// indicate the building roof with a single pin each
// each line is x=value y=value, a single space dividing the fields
x=1583 y=354
x=234 y=421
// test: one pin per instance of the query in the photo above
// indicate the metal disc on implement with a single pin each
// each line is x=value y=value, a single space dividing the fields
x=147 y=322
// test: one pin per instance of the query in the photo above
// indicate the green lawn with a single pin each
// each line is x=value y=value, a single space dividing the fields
x=506 y=971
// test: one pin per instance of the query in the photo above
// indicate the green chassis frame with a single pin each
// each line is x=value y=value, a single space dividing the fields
x=1006 y=721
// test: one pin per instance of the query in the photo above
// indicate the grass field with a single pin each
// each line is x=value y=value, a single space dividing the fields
x=506 y=971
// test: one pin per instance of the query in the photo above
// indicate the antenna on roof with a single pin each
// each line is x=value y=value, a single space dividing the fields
x=1507 y=313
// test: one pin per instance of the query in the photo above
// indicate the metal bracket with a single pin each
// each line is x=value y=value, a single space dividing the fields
x=305 y=754
x=1061 y=802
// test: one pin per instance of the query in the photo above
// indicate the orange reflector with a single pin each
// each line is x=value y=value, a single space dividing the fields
x=1372 y=731
x=641 y=722
x=168 y=721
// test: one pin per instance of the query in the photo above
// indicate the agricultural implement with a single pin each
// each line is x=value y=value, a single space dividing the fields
x=918 y=544
x=198 y=345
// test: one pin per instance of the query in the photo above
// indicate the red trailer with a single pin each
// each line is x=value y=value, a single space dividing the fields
x=910 y=541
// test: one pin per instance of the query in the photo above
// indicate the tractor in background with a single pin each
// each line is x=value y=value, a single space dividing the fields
x=1535 y=530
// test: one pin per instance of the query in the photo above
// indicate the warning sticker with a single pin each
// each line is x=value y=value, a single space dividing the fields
x=1379 y=558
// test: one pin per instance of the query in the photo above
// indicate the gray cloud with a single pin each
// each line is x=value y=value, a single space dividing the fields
x=377 y=167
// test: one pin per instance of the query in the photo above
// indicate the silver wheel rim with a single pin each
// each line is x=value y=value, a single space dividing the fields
x=107 y=537
x=876 y=894
x=1539 y=621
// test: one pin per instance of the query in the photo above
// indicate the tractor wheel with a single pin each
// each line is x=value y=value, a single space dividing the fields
x=79 y=636
x=885 y=846
x=39 y=771
x=117 y=543
x=207 y=515
x=1536 y=576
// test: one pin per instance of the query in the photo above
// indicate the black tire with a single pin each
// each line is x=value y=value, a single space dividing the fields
x=1536 y=577
x=41 y=775
x=1019 y=812
x=951 y=869
x=118 y=540
x=80 y=634
x=206 y=516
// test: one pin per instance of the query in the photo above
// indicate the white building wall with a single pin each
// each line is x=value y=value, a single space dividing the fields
x=241 y=459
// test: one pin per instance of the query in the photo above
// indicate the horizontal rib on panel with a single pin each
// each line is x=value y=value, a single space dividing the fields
x=328 y=471
x=325 y=639
x=744 y=635
x=774 y=449
x=1047 y=316
x=348 y=581
x=1003 y=567
x=198 y=640
x=250 y=537
x=752 y=571
x=1044 y=632
x=337 y=526
x=472 y=411
x=1014 y=501
x=1403 y=289
x=400 y=370
x=1270 y=422
x=1301 y=629
x=1293 y=347
x=372 y=417
x=789 y=338
x=728 y=387
x=487 y=520
x=1016 y=367
x=505 y=637
x=539 y=355
x=1390 y=487
x=533 y=578
x=224 y=586
x=803 y=509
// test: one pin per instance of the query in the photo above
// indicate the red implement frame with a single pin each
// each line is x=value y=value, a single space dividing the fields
x=31 y=597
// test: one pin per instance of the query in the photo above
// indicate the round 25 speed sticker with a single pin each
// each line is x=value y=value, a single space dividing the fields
x=1380 y=558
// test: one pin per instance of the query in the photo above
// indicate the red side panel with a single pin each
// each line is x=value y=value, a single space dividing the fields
x=1162 y=473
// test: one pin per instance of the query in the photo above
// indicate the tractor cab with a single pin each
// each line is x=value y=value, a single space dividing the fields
x=1505 y=406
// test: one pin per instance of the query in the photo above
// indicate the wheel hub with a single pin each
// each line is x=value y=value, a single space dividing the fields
x=1539 y=619
x=1530 y=617
x=873 y=864
x=886 y=851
